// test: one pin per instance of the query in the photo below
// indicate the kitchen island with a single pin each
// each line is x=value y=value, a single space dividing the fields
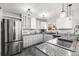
x=47 y=49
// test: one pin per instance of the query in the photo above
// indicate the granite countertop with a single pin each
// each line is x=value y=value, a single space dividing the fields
x=37 y=33
x=65 y=43
x=52 y=50
x=31 y=34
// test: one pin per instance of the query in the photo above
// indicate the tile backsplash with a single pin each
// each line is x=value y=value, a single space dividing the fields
x=30 y=31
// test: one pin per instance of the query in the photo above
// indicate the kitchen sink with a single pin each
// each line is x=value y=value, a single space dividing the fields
x=61 y=42
x=65 y=43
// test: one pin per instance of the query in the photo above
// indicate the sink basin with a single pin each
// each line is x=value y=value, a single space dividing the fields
x=61 y=42
x=65 y=43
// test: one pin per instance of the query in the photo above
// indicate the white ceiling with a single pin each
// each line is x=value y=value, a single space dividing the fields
x=52 y=9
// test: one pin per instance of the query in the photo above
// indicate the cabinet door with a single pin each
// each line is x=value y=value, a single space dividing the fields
x=26 y=41
x=47 y=37
x=40 y=38
x=26 y=20
x=20 y=46
x=8 y=49
x=33 y=23
x=31 y=40
x=34 y=39
x=50 y=37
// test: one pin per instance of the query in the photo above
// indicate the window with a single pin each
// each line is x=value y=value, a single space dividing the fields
x=64 y=23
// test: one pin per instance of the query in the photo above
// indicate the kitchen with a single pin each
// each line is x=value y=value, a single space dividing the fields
x=39 y=29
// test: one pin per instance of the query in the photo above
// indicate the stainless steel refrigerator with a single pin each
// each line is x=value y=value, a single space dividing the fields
x=11 y=37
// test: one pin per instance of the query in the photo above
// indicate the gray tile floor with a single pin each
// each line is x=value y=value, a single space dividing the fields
x=26 y=52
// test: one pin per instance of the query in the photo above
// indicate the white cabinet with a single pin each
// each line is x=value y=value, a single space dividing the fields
x=33 y=23
x=39 y=38
x=38 y=24
x=26 y=40
x=41 y=23
x=26 y=22
x=32 y=39
x=47 y=37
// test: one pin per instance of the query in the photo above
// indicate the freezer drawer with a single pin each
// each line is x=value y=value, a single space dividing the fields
x=8 y=49
x=13 y=48
x=20 y=46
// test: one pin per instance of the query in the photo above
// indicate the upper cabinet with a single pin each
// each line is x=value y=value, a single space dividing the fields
x=30 y=22
x=41 y=23
x=26 y=22
x=33 y=23
x=26 y=19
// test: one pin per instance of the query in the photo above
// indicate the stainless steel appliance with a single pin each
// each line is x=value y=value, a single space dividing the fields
x=11 y=37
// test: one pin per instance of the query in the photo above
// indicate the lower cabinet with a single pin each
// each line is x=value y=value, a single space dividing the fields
x=47 y=37
x=32 y=39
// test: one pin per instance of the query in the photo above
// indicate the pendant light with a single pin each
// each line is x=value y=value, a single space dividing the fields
x=67 y=10
x=63 y=14
x=67 y=17
x=28 y=12
x=70 y=15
